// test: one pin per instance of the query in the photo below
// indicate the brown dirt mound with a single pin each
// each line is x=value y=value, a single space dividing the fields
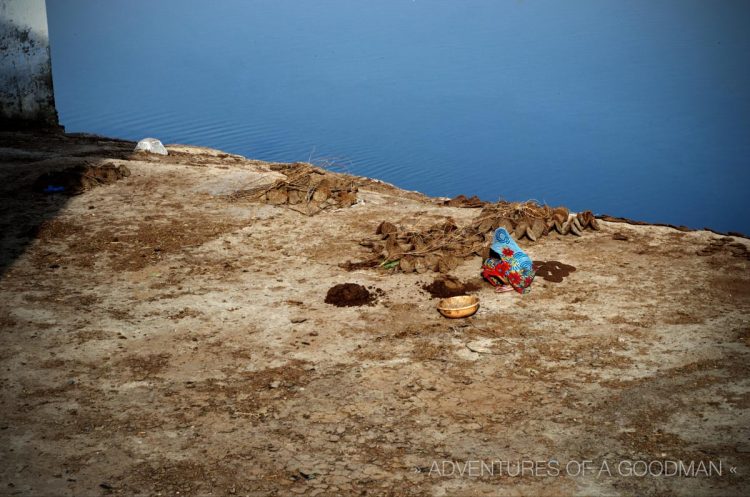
x=306 y=189
x=349 y=295
x=449 y=286
x=78 y=179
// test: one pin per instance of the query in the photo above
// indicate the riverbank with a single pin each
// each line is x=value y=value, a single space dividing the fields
x=163 y=334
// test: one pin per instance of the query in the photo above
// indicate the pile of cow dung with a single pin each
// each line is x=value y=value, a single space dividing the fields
x=449 y=286
x=532 y=220
x=442 y=246
x=553 y=271
x=80 y=178
x=349 y=295
x=306 y=189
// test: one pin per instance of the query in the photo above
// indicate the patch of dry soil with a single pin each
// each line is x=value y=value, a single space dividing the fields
x=161 y=336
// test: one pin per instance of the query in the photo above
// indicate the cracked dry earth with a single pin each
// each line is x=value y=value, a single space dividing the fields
x=159 y=338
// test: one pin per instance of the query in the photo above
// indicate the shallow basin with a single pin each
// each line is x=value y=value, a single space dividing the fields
x=458 y=307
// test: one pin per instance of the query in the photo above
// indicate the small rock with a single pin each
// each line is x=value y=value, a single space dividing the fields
x=306 y=474
x=275 y=384
x=298 y=320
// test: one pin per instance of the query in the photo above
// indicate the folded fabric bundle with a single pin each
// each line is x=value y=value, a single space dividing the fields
x=508 y=264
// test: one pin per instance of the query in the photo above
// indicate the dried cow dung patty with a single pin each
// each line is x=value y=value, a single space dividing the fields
x=554 y=271
x=450 y=287
x=349 y=295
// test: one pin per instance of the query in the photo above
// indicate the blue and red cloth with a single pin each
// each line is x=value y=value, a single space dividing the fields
x=508 y=264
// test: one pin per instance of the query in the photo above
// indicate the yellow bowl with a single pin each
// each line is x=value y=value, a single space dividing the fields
x=458 y=307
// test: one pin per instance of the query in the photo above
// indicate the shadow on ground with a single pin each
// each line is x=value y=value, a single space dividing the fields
x=23 y=207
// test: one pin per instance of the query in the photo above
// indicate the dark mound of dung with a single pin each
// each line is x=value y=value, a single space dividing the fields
x=443 y=288
x=349 y=295
x=553 y=271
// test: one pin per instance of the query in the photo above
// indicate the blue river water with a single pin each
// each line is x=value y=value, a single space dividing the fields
x=638 y=109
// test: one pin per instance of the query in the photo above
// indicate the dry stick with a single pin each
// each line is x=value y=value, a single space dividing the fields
x=436 y=244
x=291 y=183
x=302 y=188
x=481 y=352
x=306 y=213
x=254 y=191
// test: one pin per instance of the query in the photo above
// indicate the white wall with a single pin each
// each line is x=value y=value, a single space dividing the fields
x=26 y=96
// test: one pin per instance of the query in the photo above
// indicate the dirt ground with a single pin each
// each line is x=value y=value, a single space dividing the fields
x=162 y=337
